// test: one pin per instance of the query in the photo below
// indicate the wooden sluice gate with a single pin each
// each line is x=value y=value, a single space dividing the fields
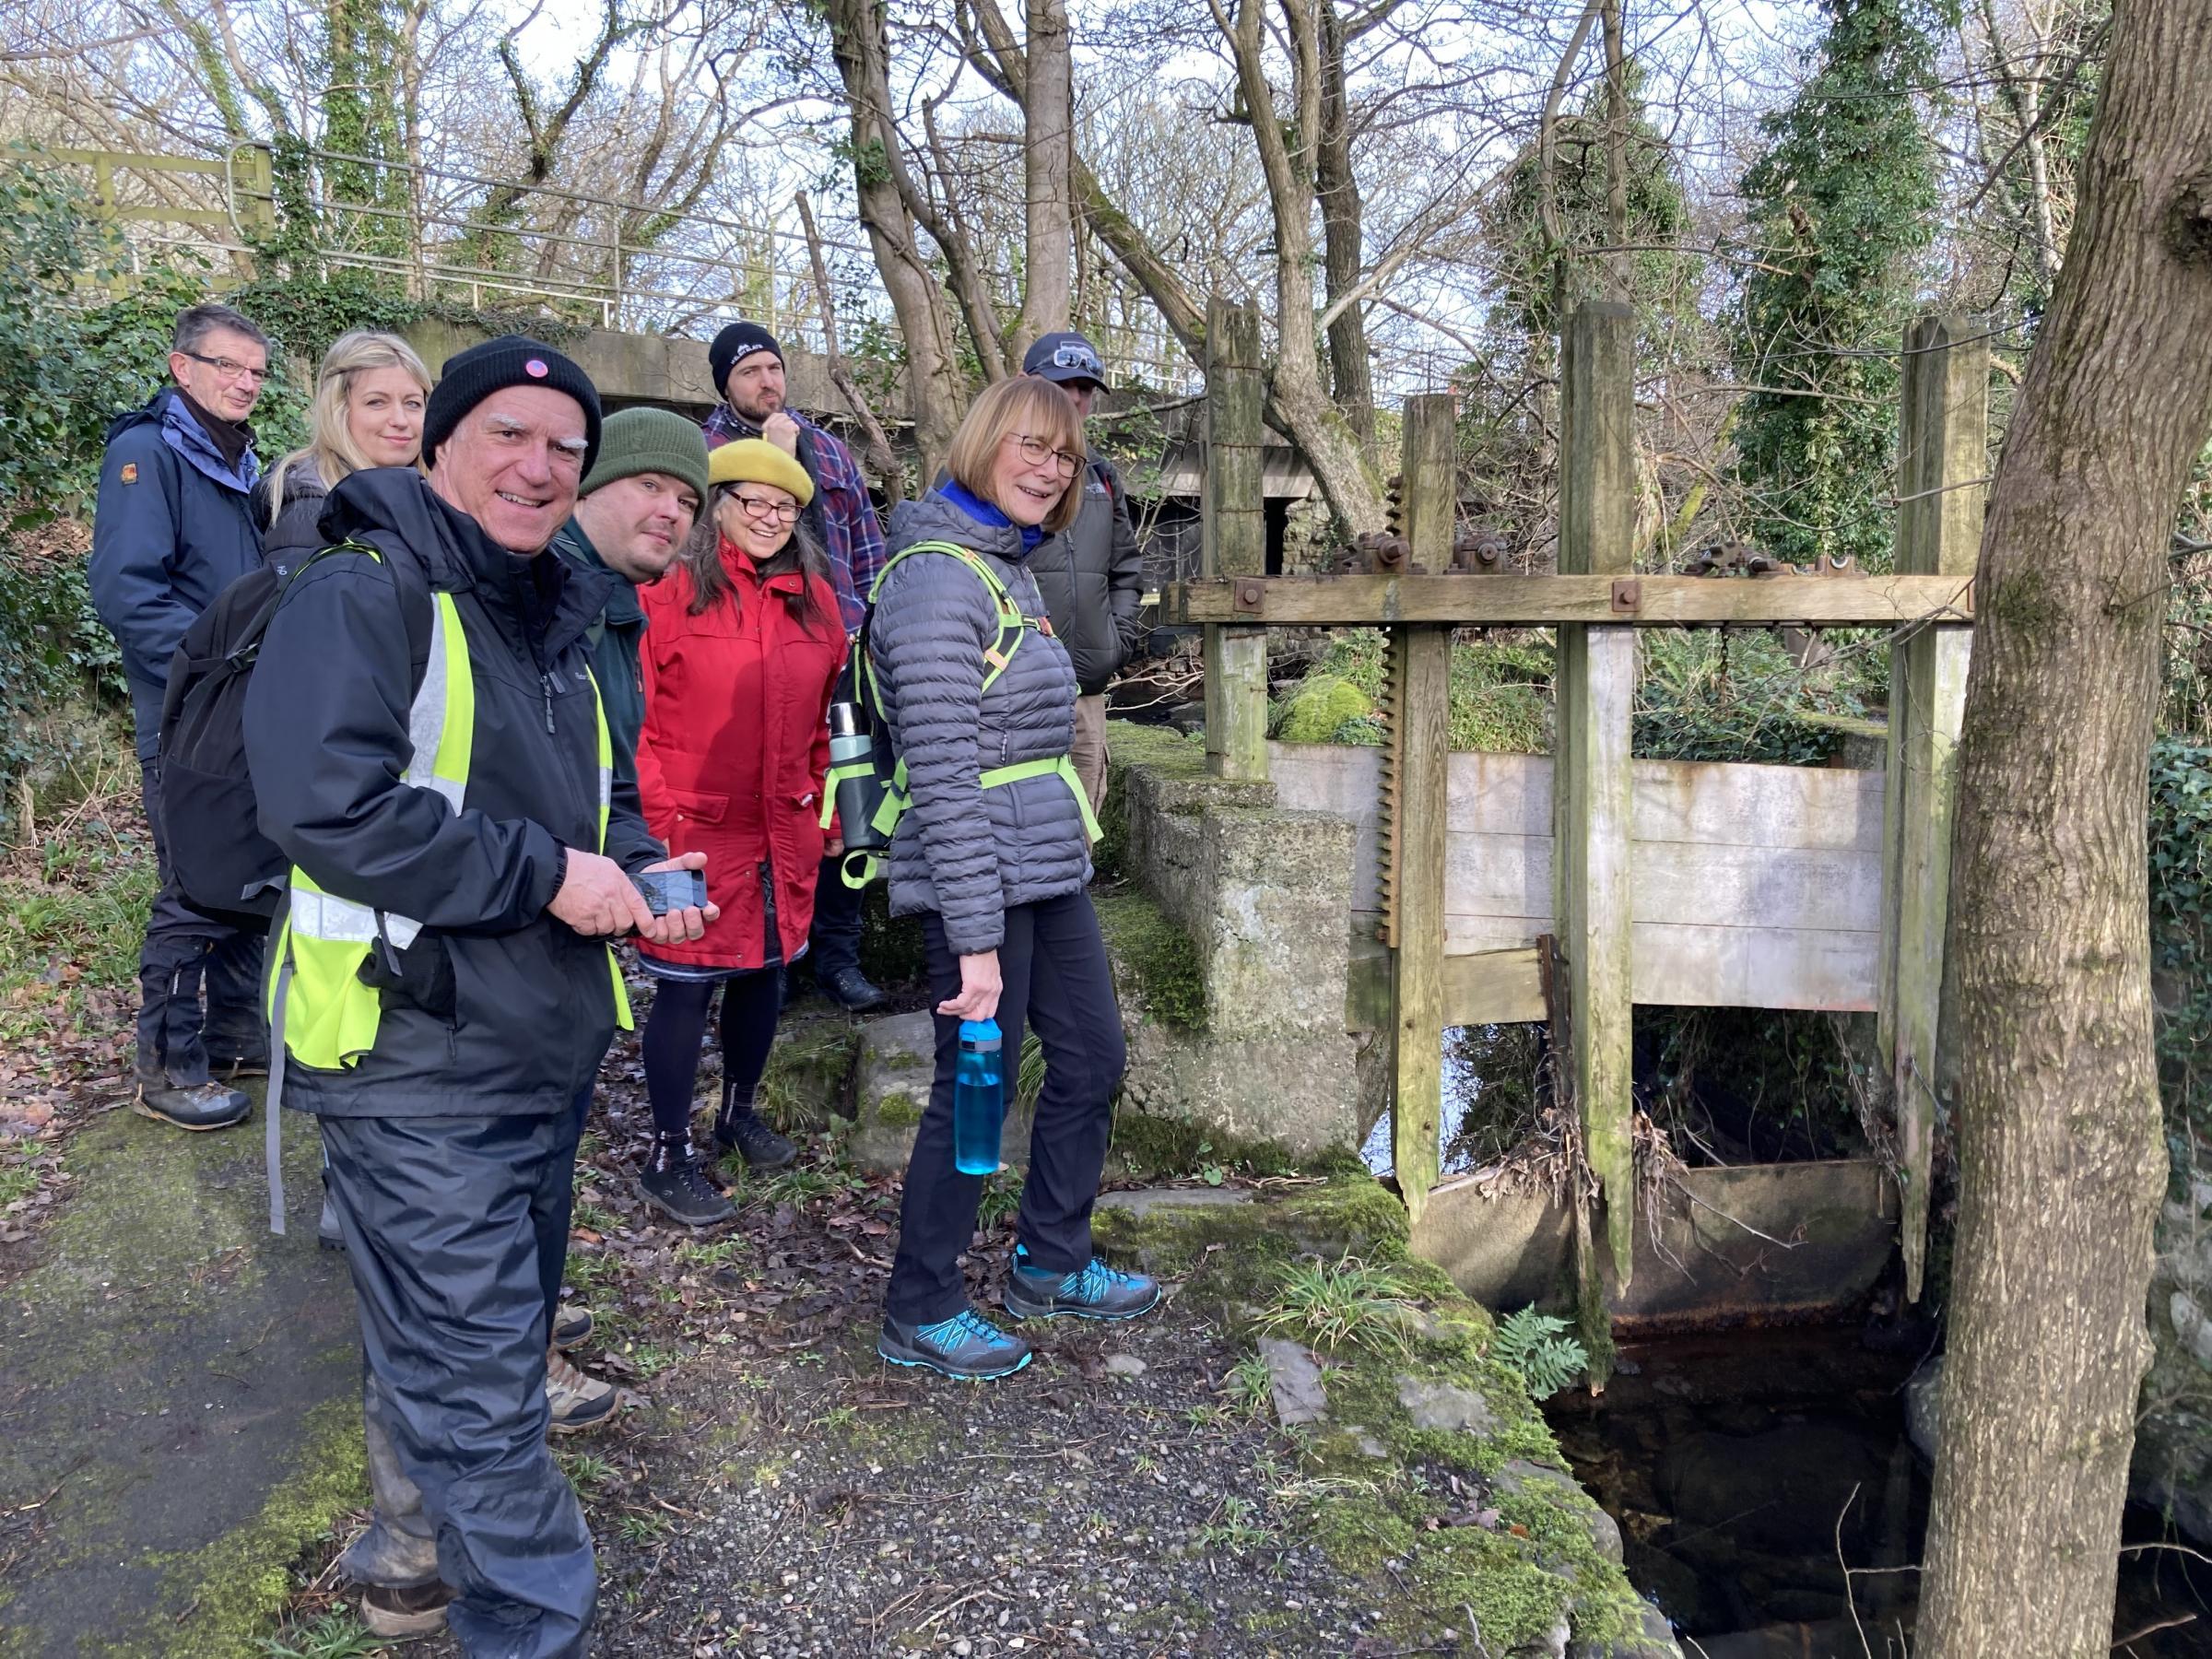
x=1570 y=888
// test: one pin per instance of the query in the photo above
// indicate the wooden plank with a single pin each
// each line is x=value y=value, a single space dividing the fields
x=1941 y=460
x=1497 y=987
x=1726 y=803
x=1680 y=965
x=1233 y=541
x=1758 y=886
x=1593 y=782
x=1421 y=781
x=1538 y=601
x=1418 y=983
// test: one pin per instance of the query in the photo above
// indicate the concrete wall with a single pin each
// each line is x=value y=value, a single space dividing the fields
x=1260 y=896
x=636 y=368
x=1755 y=1245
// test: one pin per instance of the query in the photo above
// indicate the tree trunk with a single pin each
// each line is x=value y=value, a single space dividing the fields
x=1048 y=139
x=2060 y=1154
x=1349 y=372
x=937 y=391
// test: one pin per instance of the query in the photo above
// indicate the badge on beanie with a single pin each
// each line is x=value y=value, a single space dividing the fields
x=536 y=369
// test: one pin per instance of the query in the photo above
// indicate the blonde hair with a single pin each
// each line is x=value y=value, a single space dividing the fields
x=1033 y=407
x=330 y=445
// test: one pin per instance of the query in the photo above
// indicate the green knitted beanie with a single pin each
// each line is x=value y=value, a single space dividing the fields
x=643 y=441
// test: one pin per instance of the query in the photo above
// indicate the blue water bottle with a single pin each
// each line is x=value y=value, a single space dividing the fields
x=979 y=1100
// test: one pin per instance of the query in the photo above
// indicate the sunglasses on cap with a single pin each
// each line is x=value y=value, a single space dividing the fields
x=1078 y=356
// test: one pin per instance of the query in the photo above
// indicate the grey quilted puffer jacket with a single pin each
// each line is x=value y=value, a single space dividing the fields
x=962 y=850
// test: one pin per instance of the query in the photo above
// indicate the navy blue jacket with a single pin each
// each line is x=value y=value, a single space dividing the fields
x=173 y=527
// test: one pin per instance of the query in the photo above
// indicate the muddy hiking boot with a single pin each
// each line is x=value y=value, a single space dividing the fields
x=738 y=1128
x=1097 y=1291
x=399 y=1614
x=672 y=1183
x=575 y=1402
x=967 y=1347
x=194 y=1106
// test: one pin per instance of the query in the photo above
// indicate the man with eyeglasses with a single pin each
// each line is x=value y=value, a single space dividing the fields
x=173 y=527
x=1092 y=578
x=748 y=366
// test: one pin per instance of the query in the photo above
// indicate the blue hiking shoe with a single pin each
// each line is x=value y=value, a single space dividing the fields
x=967 y=1346
x=1097 y=1291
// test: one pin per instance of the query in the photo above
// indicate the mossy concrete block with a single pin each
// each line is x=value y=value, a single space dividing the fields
x=1434 y=1405
x=890 y=1092
x=1297 y=1093
x=1273 y=942
x=2172 y=1470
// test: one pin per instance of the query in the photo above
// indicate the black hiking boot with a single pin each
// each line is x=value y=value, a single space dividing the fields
x=673 y=1183
x=399 y=1614
x=741 y=1129
x=849 y=990
x=194 y=1106
x=247 y=1063
x=1097 y=1291
x=967 y=1347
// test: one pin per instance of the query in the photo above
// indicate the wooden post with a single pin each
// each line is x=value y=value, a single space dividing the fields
x=1233 y=540
x=1420 y=762
x=254 y=191
x=1595 y=687
x=1943 y=462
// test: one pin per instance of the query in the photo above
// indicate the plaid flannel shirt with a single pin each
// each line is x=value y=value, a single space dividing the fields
x=852 y=537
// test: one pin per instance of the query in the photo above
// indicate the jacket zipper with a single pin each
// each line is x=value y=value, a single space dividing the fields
x=544 y=686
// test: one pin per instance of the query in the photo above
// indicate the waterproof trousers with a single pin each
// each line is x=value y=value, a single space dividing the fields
x=1055 y=976
x=187 y=956
x=454 y=1229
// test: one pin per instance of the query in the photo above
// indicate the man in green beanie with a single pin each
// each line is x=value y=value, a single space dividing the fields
x=633 y=512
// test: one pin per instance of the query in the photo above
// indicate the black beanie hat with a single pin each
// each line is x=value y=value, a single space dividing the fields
x=469 y=377
x=732 y=345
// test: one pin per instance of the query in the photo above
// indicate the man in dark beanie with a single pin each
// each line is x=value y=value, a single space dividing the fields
x=429 y=752
x=747 y=365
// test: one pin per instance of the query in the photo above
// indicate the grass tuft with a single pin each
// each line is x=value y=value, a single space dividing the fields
x=1337 y=1305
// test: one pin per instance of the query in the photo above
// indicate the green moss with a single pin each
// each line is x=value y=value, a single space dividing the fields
x=1154 y=956
x=808 y=1071
x=236 y=1586
x=1319 y=707
x=897 y=1111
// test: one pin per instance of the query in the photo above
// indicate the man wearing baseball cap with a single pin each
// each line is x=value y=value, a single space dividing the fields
x=429 y=753
x=747 y=365
x=1092 y=577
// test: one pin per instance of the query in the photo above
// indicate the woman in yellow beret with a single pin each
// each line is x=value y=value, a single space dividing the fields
x=742 y=646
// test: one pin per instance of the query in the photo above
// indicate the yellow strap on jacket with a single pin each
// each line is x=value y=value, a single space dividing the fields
x=328 y=1018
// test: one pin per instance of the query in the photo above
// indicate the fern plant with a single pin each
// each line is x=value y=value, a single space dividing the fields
x=1537 y=1346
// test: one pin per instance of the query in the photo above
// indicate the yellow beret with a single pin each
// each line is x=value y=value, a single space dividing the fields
x=756 y=461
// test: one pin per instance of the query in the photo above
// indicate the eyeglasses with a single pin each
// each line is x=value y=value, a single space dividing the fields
x=1081 y=358
x=1036 y=449
x=229 y=369
x=764 y=509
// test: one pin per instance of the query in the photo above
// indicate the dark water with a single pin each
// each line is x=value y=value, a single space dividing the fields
x=1747 y=1469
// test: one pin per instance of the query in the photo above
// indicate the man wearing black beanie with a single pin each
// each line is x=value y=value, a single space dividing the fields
x=429 y=752
x=747 y=364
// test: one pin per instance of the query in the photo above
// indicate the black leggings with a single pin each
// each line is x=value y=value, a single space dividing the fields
x=750 y=1003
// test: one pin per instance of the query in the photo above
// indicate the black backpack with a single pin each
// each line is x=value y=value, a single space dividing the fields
x=220 y=862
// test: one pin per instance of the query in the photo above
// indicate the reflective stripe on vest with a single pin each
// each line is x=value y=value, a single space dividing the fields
x=330 y=1018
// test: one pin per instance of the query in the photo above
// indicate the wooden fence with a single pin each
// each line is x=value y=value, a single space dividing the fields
x=1573 y=888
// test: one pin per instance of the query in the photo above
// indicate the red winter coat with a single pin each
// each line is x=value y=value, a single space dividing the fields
x=734 y=744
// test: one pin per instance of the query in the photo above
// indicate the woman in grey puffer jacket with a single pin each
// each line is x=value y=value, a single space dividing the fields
x=998 y=871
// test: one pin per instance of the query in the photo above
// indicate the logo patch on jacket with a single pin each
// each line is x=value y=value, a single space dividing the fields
x=130 y=472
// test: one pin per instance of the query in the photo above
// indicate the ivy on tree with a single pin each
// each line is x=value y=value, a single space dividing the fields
x=1840 y=204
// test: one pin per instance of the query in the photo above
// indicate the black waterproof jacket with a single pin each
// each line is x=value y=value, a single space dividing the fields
x=1092 y=577
x=614 y=636
x=295 y=531
x=497 y=1007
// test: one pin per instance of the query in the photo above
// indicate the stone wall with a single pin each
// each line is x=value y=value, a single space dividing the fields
x=2172 y=1468
x=1230 y=938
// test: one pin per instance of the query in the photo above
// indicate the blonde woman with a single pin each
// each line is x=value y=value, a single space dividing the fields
x=991 y=853
x=369 y=396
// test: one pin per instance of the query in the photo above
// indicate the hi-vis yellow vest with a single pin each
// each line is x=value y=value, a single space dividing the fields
x=316 y=1000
